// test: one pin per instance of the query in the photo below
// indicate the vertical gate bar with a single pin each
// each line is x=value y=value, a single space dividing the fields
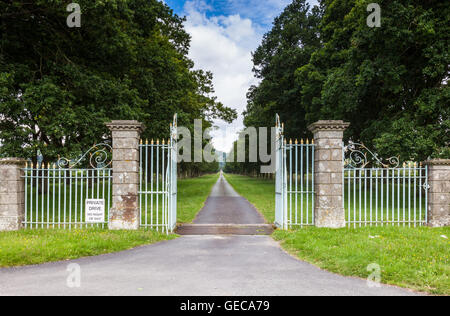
x=76 y=199
x=398 y=196
x=296 y=182
x=426 y=194
x=37 y=196
x=312 y=180
x=65 y=196
x=371 y=196
x=70 y=198
x=393 y=197
x=404 y=194
x=53 y=195
x=415 y=192
x=48 y=195
x=420 y=193
x=285 y=211
x=109 y=194
x=163 y=189
x=387 y=197
x=42 y=194
x=290 y=184
x=365 y=197
x=349 y=198
x=26 y=195
x=146 y=180
x=97 y=175
x=360 y=189
x=307 y=181
x=409 y=195
x=141 y=220
x=382 y=196
x=82 y=203
x=376 y=197
x=157 y=185
x=59 y=196
x=103 y=195
x=87 y=192
x=354 y=198
x=151 y=184
x=301 y=185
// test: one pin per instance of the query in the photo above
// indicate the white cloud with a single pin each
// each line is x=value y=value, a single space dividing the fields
x=223 y=45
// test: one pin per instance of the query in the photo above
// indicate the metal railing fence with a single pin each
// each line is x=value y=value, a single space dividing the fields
x=384 y=194
x=55 y=197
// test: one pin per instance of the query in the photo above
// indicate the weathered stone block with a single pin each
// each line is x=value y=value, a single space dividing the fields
x=12 y=195
x=328 y=209
x=439 y=192
x=125 y=213
x=125 y=166
x=125 y=177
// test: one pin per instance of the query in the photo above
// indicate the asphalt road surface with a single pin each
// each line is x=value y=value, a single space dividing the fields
x=193 y=265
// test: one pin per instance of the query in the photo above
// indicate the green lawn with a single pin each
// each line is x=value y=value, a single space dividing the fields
x=417 y=258
x=192 y=195
x=27 y=247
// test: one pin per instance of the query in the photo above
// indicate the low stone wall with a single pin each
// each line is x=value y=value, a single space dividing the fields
x=12 y=194
x=439 y=192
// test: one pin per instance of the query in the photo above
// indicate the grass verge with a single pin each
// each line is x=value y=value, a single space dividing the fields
x=28 y=247
x=416 y=258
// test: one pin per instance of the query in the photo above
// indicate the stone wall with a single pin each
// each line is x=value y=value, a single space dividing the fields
x=328 y=208
x=439 y=192
x=125 y=211
x=12 y=194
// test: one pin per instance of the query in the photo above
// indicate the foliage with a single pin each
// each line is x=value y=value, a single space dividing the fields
x=59 y=85
x=390 y=83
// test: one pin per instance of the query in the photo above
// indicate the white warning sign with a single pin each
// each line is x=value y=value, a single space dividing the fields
x=95 y=211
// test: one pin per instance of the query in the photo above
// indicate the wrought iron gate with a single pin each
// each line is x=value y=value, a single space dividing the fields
x=294 y=181
x=158 y=182
x=379 y=192
x=56 y=194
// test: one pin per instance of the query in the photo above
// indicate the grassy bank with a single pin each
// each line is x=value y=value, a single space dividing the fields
x=38 y=246
x=416 y=258
x=45 y=245
x=192 y=194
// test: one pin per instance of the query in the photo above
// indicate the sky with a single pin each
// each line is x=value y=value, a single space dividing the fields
x=224 y=35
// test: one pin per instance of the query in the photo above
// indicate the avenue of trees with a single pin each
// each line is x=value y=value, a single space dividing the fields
x=128 y=60
x=389 y=82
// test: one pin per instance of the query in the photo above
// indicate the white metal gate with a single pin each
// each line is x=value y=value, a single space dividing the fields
x=158 y=182
x=56 y=193
x=379 y=192
x=294 y=181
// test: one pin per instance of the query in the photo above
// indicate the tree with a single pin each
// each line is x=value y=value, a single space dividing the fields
x=59 y=85
x=389 y=82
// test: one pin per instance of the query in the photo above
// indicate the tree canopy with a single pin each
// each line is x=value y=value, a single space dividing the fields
x=389 y=82
x=128 y=60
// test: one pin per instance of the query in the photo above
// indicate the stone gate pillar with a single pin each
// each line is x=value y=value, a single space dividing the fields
x=125 y=211
x=439 y=193
x=328 y=207
x=12 y=194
